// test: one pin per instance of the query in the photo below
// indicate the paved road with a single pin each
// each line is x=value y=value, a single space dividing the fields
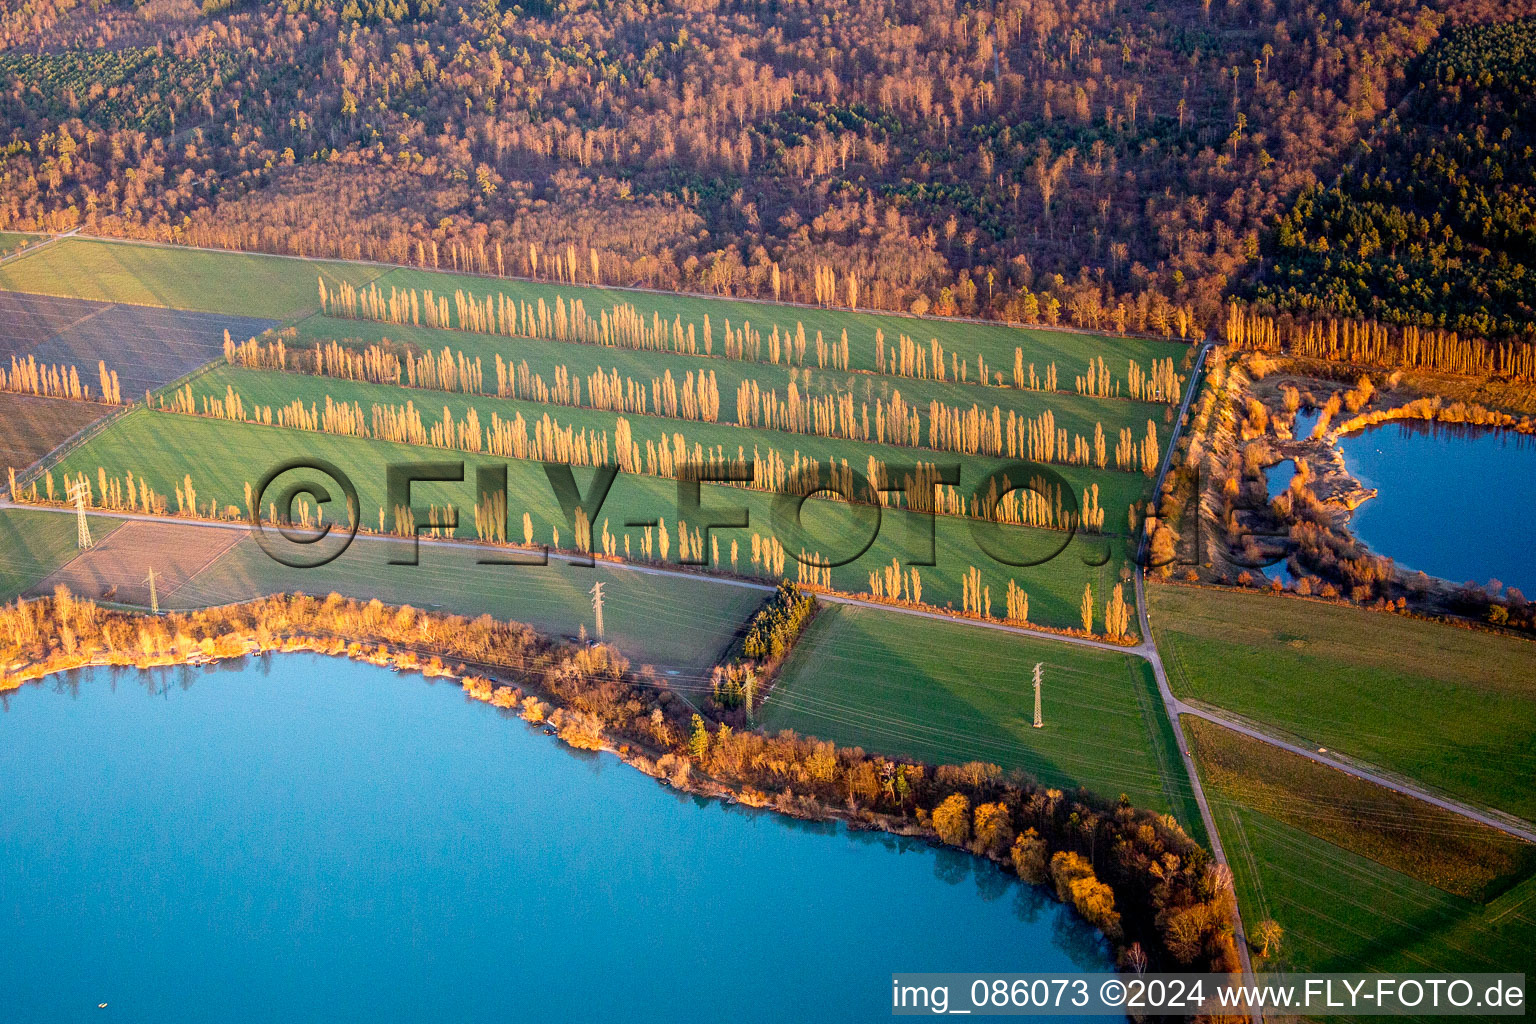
x=30 y=249
x=1148 y=650
x=1172 y=706
x=1514 y=826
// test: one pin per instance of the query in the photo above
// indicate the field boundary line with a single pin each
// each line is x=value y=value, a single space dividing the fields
x=206 y=564
x=638 y=289
x=1245 y=847
x=77 y=556
x=1503 y=821
x=192 y=375
x=51 y=457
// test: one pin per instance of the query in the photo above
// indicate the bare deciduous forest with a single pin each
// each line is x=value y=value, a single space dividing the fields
x=1087 y=164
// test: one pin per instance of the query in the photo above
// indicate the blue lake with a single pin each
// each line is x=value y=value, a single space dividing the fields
x=1453 y=502
x=301 y=838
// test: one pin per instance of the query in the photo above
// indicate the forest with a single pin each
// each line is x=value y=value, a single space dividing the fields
x=765 y=642
x=1434 y=224
x=1030 y=160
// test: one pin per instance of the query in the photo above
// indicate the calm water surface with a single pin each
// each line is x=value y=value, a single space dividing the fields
x=302 y=838
x=1306 y=422
x=1279 y=476
x=1452 y=502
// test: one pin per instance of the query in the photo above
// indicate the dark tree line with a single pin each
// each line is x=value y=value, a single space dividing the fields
x=776 y=626
x=1435 y=224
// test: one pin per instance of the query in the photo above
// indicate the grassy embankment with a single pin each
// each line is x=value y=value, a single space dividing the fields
x=946 y=692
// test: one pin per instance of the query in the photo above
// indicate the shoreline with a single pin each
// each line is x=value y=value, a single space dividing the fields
x=582 y=695
x=1352 y=491
x=480 y=687
x=1325 y=492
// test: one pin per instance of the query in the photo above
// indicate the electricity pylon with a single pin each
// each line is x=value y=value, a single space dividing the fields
x=76 y=492
x=154 y=601
x=597 y=606
x=1039 y=719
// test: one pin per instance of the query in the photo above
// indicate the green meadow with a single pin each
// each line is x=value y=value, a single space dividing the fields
x=682 y=625
x=1340 y=909
x=1076 y=413
x=947 y=692
x=994 y=342
x=34 y=544
x=1117 y=490
x=284 y=288
x=220 y=457
x=1454 y=709
x=10 y=241
x=247 y=284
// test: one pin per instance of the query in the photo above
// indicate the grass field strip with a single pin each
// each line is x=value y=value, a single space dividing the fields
x=811 y=403
x=576 y=559
x=1491 y=817
x=385 y=269
x=319 y=328
x=1353 y=892
x=713 y=438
